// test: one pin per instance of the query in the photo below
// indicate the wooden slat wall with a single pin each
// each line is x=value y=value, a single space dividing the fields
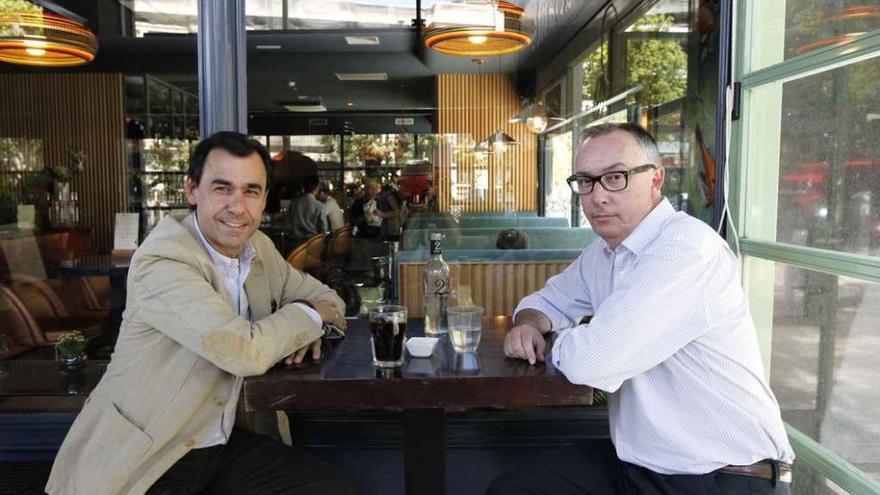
x=75 y=111
x=477 y=105
x=497 y=286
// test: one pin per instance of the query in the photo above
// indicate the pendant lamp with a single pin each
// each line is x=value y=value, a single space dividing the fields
x=478 y=28
x=499 y=141
x=44 y=39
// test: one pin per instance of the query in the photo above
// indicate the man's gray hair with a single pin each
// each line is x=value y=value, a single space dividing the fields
x=644 y=138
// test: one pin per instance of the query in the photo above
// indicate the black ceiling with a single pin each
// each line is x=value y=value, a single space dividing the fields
x=311 y=58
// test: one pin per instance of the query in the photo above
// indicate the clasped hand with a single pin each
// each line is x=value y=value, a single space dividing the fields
x=329 y=314
x=525 y=342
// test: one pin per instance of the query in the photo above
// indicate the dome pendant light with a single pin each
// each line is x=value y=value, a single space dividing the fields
x=46 y=40
x=502 y=29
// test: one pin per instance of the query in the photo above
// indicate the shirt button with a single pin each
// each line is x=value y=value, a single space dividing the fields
x=190 y=444
x=220 y=403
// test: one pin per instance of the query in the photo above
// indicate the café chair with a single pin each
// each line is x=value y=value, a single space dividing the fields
x=21 y=328
x=339 y=245
x=45 y=307
x=307 y=257
x=95 y=292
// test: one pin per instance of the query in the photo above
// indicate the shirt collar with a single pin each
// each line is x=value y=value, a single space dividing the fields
x=246 y=255
x=648 y=229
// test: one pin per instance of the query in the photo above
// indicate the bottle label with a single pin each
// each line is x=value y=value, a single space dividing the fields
x=441 y=287
x=435 y=247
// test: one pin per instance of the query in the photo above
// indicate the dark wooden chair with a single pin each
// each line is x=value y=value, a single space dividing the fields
x=339 y=244
x=21 y=329
x=308 y=256
x=46 y=308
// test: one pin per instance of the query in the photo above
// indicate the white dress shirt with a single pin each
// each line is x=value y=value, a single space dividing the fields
x=673 y=343
x=235 y=272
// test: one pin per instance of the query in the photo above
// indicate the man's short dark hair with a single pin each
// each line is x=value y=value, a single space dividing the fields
x=310 y=183
x=512 y=239
x=644 y=138
x=236 y=144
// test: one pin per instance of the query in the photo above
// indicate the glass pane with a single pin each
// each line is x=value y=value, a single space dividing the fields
x=166 y=155
x=808 y=481
x=655 y=53
x=558 y=201
x=829 y=160
x=264 y=15
x=164 y=190
x=354 y=14
x=165 y=16
x=378 y=150
x=807 y=26
x=826 y=336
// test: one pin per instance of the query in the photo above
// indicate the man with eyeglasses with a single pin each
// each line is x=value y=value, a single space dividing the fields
x=670 y=341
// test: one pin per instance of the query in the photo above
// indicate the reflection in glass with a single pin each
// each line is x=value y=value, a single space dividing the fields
x=829 y=160
x=466 y=363
x=813 y=25
x=824 y=372
x=558 y=199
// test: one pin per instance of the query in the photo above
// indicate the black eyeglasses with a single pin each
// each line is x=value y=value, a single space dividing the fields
x=613 y=181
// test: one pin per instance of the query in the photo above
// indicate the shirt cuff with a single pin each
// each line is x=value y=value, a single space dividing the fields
x=313 y=314
x=562 y=334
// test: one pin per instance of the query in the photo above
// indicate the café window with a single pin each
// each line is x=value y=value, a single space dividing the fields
x=804 y=196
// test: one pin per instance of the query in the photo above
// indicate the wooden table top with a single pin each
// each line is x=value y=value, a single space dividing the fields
x=37 y=385
x=345 y=378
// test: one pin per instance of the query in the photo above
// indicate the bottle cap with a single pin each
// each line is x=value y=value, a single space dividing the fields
x=436 y=236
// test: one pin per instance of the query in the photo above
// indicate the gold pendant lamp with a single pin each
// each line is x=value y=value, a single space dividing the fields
x=503 y=29
x=45 y=40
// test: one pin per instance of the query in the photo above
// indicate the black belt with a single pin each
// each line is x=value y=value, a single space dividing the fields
x=769 y=470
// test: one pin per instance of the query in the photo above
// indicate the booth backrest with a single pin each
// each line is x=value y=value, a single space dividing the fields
x=484 y=238
x=493 y=279
x=511 y=222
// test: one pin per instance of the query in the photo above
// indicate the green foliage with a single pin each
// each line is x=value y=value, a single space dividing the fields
x=7 y=6
x=658 y=65
x=71 y=344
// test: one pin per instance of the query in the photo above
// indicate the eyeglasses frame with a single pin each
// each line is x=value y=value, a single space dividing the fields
x=626 y=173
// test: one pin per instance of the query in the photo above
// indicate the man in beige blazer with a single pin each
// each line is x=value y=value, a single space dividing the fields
x=210 y=301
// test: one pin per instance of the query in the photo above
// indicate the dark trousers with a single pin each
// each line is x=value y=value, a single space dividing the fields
x=251 y=464
x=592 y=467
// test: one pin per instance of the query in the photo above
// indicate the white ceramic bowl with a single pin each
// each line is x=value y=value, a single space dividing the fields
x=421 y=346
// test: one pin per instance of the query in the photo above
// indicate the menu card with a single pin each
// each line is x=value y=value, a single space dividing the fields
x=125 y=232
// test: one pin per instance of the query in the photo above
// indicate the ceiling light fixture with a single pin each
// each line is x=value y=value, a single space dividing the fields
x=478 y=28
x=535 y=116
x=499 y=141
x=45 y=40
x=362 y=76
x=268 y=47
x=362 y=40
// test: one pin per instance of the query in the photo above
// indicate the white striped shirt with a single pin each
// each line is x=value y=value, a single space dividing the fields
x=673 y=343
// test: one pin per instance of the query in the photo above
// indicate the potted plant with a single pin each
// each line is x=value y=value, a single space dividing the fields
x=70 y=352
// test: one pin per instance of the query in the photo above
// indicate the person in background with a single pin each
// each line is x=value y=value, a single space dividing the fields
x=363 y=211
x=209 y=302
x=306 y=216
x=670 y=341
x=332 y=211
x=390 y=207
x=430 y=198
x=512 y=239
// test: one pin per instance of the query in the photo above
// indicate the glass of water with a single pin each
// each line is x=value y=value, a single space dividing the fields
x=465 y=327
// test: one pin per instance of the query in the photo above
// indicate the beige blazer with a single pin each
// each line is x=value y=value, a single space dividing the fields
x=180 y=348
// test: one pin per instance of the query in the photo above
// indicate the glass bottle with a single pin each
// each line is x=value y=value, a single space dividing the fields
x=436 y=289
